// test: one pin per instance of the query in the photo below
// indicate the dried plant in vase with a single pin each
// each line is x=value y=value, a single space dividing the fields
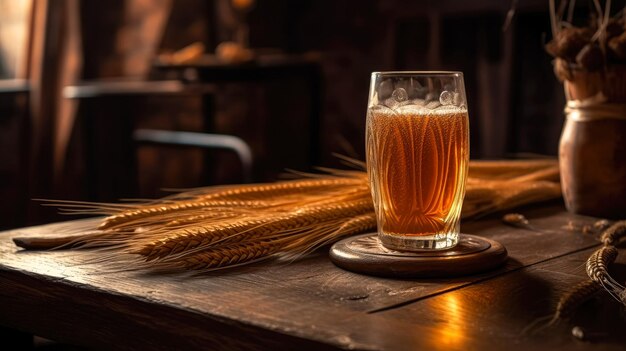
x=590 y=60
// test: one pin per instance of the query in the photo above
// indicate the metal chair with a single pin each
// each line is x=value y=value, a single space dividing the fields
x=201 y=140
x=110 y=140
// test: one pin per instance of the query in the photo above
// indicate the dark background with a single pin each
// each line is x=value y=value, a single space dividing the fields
x=514 y=99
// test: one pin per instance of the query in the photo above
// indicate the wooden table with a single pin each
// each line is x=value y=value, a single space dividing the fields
x=311 y=304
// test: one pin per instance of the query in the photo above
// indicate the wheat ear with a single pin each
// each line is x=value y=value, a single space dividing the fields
x=567 y=305
x=286 y=248
x=203 y=235
x=224 y=255
x=614 y=233
x=233 y=193
x=598 y=270
x=570 y=301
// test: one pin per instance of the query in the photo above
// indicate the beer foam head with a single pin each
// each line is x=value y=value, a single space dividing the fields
x=427 y=109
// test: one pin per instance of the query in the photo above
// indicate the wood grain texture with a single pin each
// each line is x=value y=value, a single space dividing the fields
x=494 y=314
x=310 y=304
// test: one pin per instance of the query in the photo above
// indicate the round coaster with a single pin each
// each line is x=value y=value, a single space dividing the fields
x=366 y=254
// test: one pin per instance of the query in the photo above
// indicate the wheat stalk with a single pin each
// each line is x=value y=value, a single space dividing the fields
x=217 y=227
x=567 y=305
x=288 y=249
x=356 y=225
x=207 y=196
x=256 y=227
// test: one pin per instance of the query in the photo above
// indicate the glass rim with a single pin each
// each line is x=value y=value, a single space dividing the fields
x=418 y=73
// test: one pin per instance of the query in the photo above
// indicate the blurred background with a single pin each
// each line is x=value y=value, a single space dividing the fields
x=102 y=100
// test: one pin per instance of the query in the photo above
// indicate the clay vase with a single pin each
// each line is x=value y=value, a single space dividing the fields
x=592 y=150
x=592 y=158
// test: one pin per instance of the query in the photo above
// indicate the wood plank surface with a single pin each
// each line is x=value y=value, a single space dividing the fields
x=495 y=314
x=310 y=304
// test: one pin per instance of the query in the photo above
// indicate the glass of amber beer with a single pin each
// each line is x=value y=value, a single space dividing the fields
x=417 y=145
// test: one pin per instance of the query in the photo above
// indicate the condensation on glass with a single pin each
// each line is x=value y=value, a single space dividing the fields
x=417 y=145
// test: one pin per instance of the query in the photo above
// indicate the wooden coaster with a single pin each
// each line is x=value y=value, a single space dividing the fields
x=366 y=254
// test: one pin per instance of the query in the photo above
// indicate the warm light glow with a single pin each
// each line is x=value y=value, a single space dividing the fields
x=242 y=4
x=451 y=332
x=14 y=21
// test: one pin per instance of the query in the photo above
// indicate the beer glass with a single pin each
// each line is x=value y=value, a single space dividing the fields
x=417 y=145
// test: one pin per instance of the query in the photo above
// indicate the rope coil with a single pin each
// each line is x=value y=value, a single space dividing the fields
x=583 y=111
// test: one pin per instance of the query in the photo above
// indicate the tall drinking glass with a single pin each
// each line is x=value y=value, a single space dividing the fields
x=417 y=141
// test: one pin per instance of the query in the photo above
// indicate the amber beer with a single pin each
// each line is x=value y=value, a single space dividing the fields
x=417 y=163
